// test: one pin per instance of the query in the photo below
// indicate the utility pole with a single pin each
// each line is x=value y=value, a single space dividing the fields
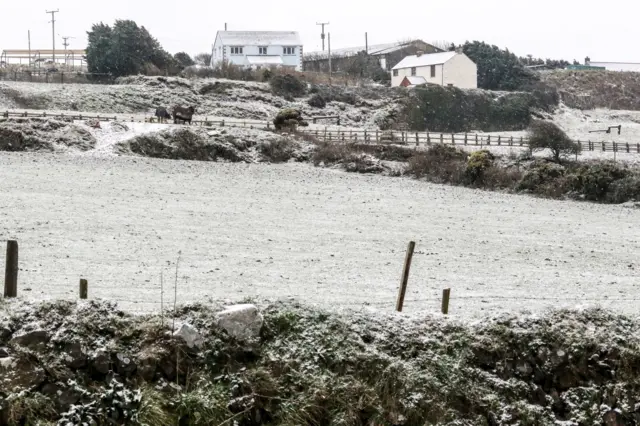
x=329 y=40
x=65 y=43
x=29 y=35
x=322 y=34
x=53 y=32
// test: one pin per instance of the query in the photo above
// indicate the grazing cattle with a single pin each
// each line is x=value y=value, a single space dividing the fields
x=185 y=114
x=162 y=114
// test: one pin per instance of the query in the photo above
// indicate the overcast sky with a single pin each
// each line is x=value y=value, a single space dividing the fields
x=567 y=29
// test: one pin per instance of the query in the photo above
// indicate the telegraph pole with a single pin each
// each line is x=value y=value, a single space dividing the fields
x=53 y=32
x=322 y=34
x=65 y=43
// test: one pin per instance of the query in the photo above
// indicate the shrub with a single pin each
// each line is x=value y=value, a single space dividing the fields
x=623 y=190
x=547 y=135
x=544 y=179
x=317 y=101
x=593 y=180
x=279 y=150
x=495 y=177
x=477 y=164
x=439 y=163
x=287 y=85
x=331 y=153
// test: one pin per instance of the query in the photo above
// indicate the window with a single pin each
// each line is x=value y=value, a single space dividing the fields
x=236 y=50
x=395 y=73
x=289 y=50
x=433 y=71
x=262 y=50
x=413 y=71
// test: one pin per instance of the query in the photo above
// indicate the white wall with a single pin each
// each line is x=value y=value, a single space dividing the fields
x=462 y=72
x=421 y=72
x=459 y=71
x=223 y=52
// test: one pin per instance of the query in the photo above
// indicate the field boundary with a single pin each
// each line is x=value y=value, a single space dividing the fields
x=391 y=137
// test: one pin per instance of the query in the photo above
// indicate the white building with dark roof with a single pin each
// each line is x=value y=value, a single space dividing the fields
x=258 y=49
x=443 y=68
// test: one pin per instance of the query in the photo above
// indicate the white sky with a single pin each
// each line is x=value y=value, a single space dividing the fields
x=559 y=29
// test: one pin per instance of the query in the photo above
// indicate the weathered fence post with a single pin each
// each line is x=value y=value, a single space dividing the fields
x=489 y=140
x=84 y=289
x=465 y=138
x=405 y=276
x=11 y=270
x=446 y=293
x=453 y=139
x=417 y=139
x=365 y=136
x=441 y=138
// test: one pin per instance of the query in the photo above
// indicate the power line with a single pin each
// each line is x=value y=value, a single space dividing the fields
x=53 y=31
x=322 y=34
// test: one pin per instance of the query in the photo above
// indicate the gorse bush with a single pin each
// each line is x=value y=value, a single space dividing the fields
x=477 y=164
x=450 y=109
x=288 y=85
x=593 y=181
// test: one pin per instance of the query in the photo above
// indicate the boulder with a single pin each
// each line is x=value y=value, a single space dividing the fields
x=190 y=335
x=74 y=356
x=242 y=322
x=31 y=339
x=4 y=353
x=101 y=363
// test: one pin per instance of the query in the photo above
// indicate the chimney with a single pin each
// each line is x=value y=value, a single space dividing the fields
x=419 y=53
x=587 y=61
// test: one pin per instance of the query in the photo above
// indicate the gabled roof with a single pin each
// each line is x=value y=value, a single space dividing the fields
x=425 y=60
x=259 y=38
x=416 y=80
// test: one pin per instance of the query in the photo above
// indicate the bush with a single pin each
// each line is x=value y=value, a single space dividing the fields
x=450 y=109
x=279 y=150
x=594 y=180
x=331 y=153
x=317 y=101
x=477 y=164
x=544 y=179
x=547 y=135
x=287 y=85
x=440 y=163
x=623 y=190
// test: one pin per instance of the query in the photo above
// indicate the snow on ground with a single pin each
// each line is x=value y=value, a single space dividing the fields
x=291 y=230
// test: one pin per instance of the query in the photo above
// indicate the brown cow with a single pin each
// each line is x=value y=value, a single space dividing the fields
x=185 y=114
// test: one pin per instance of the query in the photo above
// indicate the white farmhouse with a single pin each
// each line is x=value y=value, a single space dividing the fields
x=443 y=68
x=258 y=49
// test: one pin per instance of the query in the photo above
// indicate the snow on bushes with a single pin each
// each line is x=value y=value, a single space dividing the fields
x=309 y=366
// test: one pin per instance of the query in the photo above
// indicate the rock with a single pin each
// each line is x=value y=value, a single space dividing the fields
x=524 y=368
x=241 y=321
x=19 y=375
x=50 y=389
x=147 y=366
x=613 y=418
x=101 y=363
x=190 y=335
x=67 y=398
x=5 y=334
x=4 y=353
x=125 y=365
x=74 y=356
x=31 y=339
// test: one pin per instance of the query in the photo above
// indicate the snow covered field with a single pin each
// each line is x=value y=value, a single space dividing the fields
x=318 y=235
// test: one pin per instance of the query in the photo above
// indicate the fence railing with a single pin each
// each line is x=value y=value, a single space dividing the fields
x=365 y=136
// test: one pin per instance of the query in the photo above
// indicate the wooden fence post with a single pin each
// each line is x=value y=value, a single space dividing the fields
x=453 y=139
x=405 y=276
x=418 y=139
x=11 y=270
x=365 y=136
x=446 y=293
x=441 y=138
x=465 y=138
x=84 y=289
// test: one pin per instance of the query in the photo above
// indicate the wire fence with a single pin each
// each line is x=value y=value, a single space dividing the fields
x=355 y=136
